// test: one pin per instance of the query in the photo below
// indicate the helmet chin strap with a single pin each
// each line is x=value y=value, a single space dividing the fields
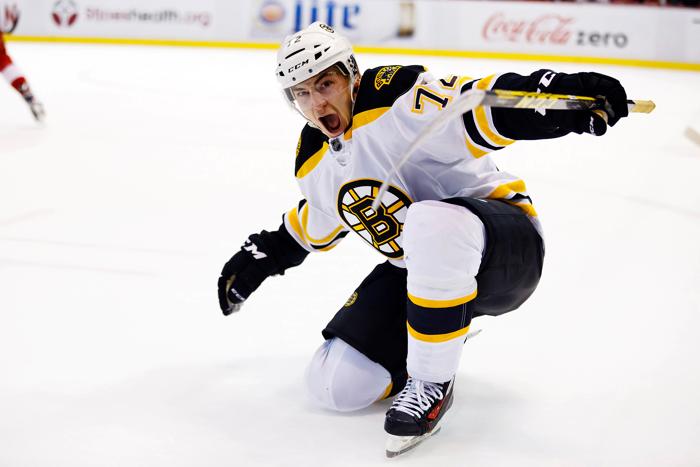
x=351 y=86
x=352 y=94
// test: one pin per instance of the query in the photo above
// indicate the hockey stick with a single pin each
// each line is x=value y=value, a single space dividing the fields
x=537 y=100
x=510 y=99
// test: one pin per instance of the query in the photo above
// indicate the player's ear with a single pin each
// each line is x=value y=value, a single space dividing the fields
x=356 y=85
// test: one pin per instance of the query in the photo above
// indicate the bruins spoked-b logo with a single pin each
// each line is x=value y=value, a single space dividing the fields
x=382 y=228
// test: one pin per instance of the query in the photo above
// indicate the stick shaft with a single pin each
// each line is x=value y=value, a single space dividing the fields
x=536 y=100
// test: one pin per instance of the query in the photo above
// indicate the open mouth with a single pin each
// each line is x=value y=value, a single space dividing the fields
x=331 y=122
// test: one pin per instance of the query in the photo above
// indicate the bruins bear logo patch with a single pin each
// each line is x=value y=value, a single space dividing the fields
x=384 y=76
x=381 y=228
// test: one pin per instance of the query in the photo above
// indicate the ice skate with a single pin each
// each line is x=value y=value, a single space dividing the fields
x=415 y=414
x=37 y=109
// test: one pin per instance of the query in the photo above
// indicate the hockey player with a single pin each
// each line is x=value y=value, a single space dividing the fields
x=461 y=238
x=16 y=78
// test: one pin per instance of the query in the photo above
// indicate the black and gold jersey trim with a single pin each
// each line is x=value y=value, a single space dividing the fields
x=381 y=86
x=327 y=246
x=311 y=147
x=298 y=219
x=470 y=126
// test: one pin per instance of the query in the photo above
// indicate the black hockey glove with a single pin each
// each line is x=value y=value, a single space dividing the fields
x=525 y=124
x=592 y=85
x=261 y=256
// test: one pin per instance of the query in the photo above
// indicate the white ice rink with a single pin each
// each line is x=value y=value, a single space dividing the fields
x=156 y=163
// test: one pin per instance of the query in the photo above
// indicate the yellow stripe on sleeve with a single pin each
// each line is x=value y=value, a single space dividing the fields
x=484 y=83
x=503 y=191
x=329 y=247
x=480 y=116
x=436 y=337
x=483 y=124
x=475 y=151
x=318 y=241
x=294 y=222
x=525 y=206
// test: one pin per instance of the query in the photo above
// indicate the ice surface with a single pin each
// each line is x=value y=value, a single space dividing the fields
x=156 y=163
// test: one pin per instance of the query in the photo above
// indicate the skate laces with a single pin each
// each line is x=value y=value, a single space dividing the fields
x=417 y=397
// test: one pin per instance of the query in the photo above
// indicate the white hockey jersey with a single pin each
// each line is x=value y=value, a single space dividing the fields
x=339 y=178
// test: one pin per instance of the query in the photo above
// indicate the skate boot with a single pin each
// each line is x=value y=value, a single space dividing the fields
x=415 y=414
x=35 y=106
x=37 y=109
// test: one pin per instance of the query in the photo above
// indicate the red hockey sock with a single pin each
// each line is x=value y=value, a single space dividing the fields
x=5 y=61
x=20 y=84
x=15 y=78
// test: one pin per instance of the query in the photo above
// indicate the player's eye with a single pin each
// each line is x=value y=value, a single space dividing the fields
x=326 y=85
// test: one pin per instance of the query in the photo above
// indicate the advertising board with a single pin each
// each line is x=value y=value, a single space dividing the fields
x=630 y=34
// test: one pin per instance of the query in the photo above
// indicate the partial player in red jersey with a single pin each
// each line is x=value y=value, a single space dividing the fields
x=16 y=78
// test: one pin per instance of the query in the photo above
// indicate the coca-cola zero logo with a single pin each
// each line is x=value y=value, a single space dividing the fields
x=64 y=13
x=602 y=39
x=547 y=30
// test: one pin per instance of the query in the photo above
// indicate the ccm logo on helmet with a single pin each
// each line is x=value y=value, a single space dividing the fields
x=298 y=65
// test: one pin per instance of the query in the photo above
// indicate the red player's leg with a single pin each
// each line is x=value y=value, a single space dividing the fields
x=16 y=78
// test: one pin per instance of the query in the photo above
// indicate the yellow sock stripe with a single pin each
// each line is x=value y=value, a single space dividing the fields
x=312 y=162
x=387 y=391
x=428 y=303
x=436 y=337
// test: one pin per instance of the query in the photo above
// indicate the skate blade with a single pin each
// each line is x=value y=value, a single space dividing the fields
x=396 y=445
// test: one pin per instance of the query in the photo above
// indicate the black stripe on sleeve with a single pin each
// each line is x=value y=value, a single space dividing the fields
x=470 y=124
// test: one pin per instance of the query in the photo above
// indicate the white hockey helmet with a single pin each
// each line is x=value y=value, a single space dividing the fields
x=310 y=51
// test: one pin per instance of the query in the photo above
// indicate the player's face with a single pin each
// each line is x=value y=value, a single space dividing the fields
x=325 y=100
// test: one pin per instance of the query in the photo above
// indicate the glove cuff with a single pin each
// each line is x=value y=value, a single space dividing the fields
x=283 y=251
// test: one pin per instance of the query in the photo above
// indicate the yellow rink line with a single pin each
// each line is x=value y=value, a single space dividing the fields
x=374 y=50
